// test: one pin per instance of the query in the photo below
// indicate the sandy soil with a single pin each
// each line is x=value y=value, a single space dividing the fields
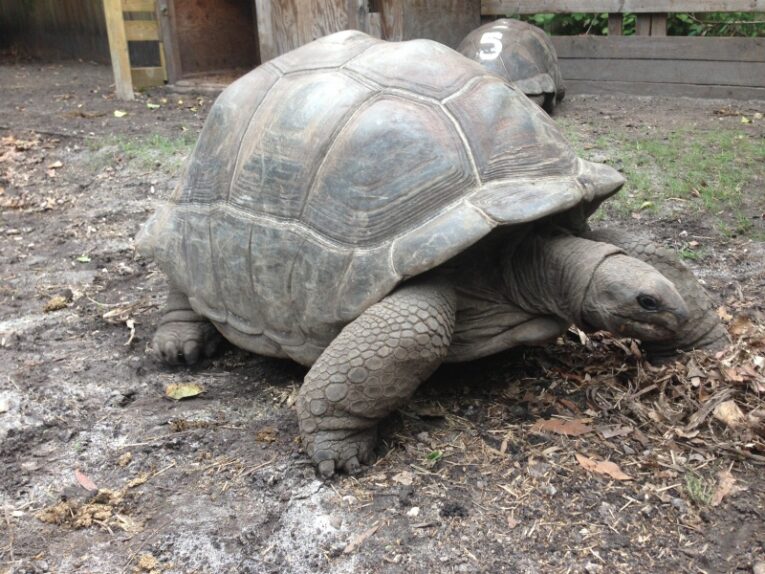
x=100 y=473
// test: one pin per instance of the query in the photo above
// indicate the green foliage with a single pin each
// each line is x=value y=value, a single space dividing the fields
x=686 y=169
x=750 y=24
x=698 y=489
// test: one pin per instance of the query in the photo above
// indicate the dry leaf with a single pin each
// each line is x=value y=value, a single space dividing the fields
x=730 y=413
x=726 y=485
x=511 y=522
x=605 y=467
x=178 y=391
x=561 y=426
x=404 y=477
x=359 y=539
x=84 y=481
x=741 y=325
x=266 y=434
x=56 y=165
x=610 y=432
x=722 y=312
x=55 y=303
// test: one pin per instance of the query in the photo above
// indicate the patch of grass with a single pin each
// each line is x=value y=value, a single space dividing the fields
x=689 y=254
x=145 y=153
x=698 y=489
x=709 y=171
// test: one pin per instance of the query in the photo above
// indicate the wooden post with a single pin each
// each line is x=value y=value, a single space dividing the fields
x=615 y=23
x=266 y=38
x=118 y=48
x=651 y=24
x=643 y=25
x=659 y=24
x=166 y=17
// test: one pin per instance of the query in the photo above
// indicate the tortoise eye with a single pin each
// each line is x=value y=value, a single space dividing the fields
x=648 y=303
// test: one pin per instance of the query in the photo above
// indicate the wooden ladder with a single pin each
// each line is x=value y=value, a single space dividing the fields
x=122 y=30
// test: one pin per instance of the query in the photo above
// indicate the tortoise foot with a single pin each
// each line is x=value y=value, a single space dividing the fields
x=184 y=336
x=179 y=342
x=336 y=450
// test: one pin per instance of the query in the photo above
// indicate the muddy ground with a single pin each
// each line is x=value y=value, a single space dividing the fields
x=101 y=473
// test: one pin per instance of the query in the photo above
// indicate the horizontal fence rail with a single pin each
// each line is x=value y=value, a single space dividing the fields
x=513 y=7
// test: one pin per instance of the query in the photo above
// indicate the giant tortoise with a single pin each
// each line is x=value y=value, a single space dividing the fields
x=520 y=53
x=373 y=209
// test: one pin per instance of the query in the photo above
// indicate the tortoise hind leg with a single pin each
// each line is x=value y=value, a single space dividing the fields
x=369 y=370
x=704 y=329
x=183 y=335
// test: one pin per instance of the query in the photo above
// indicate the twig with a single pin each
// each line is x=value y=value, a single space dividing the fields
x=10 y=534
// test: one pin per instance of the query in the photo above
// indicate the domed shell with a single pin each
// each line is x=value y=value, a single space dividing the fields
x=520 y=53
x=326 y=176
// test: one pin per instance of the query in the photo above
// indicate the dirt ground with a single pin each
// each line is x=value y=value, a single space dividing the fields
x=579 y=457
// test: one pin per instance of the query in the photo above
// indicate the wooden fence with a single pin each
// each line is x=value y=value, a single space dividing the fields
x=652 y=63
x=209 y=35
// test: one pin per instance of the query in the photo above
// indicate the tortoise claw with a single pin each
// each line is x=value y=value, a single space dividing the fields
x=327 y=468
x=352 y=465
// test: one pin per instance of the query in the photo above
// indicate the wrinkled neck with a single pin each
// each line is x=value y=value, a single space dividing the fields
x=550 y=275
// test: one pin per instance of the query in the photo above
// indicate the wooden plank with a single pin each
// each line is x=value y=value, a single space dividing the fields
x=513 y=7
x=148 y=77
x=750 y=74
x=215 y=34
x=392 y=14
x=266 y=38
x=328 y=17
x=138 y=6
x=374 y=24
x=115 y=28
x=141 y=30
x=657 y=48
x=446 y=21
x=643 y=25
x=659 y=24
x=166 y=12
x=615 y=24
x=664 y=89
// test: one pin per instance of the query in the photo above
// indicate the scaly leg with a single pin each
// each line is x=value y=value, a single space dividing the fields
x=370 y=369
x=183 y=335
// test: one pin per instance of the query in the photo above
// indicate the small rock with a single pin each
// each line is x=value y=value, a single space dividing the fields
x=593 y=568
x=414 y=511
x=758 y=568
x=336 y=521
x=538 y=470
x=423 y=437
x=5 y=405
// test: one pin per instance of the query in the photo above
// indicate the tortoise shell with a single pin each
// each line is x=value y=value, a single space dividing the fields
x=325 y=177
x=520 y=53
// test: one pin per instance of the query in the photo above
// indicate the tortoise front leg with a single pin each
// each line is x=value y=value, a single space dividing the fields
x=371 y=368
x=704 y=329
x=183 y=335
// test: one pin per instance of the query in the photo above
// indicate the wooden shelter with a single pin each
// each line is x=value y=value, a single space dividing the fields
x=228 y=37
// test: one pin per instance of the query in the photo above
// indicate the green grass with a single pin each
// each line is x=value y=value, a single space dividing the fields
x=144 y=153
x=698 y=489
x=688 y=170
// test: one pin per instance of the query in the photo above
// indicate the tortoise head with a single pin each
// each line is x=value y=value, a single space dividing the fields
x=630 y=298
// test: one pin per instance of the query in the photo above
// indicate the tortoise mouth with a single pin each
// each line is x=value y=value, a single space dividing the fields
x=645 y=331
